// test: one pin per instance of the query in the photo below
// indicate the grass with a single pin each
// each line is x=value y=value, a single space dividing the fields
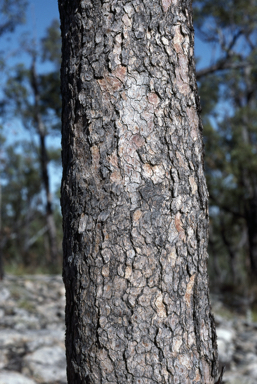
x=24 y=304
x=224 y=313
x=20 y=270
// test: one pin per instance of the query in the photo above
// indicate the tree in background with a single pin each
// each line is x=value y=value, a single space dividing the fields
x=134 y=196
x=12 y=13
x=231 y=133
x=34 y=98
x=21 y=198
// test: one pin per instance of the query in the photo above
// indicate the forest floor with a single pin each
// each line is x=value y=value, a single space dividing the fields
x=32 y=334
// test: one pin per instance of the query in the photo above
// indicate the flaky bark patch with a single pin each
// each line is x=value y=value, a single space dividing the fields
x=166 y=4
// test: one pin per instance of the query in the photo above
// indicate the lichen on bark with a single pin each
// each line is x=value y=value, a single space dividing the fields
x=134 y=196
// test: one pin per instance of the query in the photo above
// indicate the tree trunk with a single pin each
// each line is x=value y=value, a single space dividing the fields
x=51 y=227
x=1 y=264
x=249 y=179
x=134 y=196
x=251 y=218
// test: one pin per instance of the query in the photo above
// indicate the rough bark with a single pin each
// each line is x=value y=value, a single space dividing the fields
x=134 y=196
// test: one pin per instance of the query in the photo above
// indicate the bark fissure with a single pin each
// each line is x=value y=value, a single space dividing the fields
x=134 y=196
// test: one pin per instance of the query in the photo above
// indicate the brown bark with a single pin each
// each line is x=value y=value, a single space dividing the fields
x=134 y=196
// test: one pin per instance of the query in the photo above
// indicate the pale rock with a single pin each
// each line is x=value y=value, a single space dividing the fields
x=237 y=378
x=47 y=364
x=225 y=334
x=3 y=359
x=9 y=377
x=47 y=355
x=11 y=338
x=46 y=337
x=32 y=328
x=226 y=346
x=4 y=295
x=251 y=370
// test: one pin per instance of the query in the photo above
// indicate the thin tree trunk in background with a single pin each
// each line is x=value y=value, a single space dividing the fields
x=51 y=227
x=53 y=249
x=250 y=180
x=245 y=101
x=251 y=216
x=134 y=196
x=1 y=263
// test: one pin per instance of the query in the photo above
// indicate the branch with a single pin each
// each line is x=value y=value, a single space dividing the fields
x=226 y=62
x=219 y=66
x=225 y=208
x=34 y=238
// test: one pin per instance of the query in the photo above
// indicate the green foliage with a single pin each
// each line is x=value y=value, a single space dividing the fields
x=12 y=13
x=21 y=189
x=51 y=44
x=50 y=98
x=209 y=91
x=20 y=86
x=23 y=221
x=234 y=14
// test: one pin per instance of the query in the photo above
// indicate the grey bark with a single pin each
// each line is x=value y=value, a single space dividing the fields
x=134 y=196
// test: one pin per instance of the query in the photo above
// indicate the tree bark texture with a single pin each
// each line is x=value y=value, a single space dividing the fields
x=134 y=196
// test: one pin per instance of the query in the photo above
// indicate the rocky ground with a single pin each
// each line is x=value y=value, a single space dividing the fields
x=32 y=334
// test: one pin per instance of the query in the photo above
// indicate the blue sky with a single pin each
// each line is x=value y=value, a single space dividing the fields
x=40 y=14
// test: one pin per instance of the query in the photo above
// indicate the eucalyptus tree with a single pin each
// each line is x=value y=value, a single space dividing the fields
x=231 y=130
x=34 y=98
x=22 y=208
x=12 y=13
x=134 y=196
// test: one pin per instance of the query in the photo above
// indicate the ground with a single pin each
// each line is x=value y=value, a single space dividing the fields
x=32 y=334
